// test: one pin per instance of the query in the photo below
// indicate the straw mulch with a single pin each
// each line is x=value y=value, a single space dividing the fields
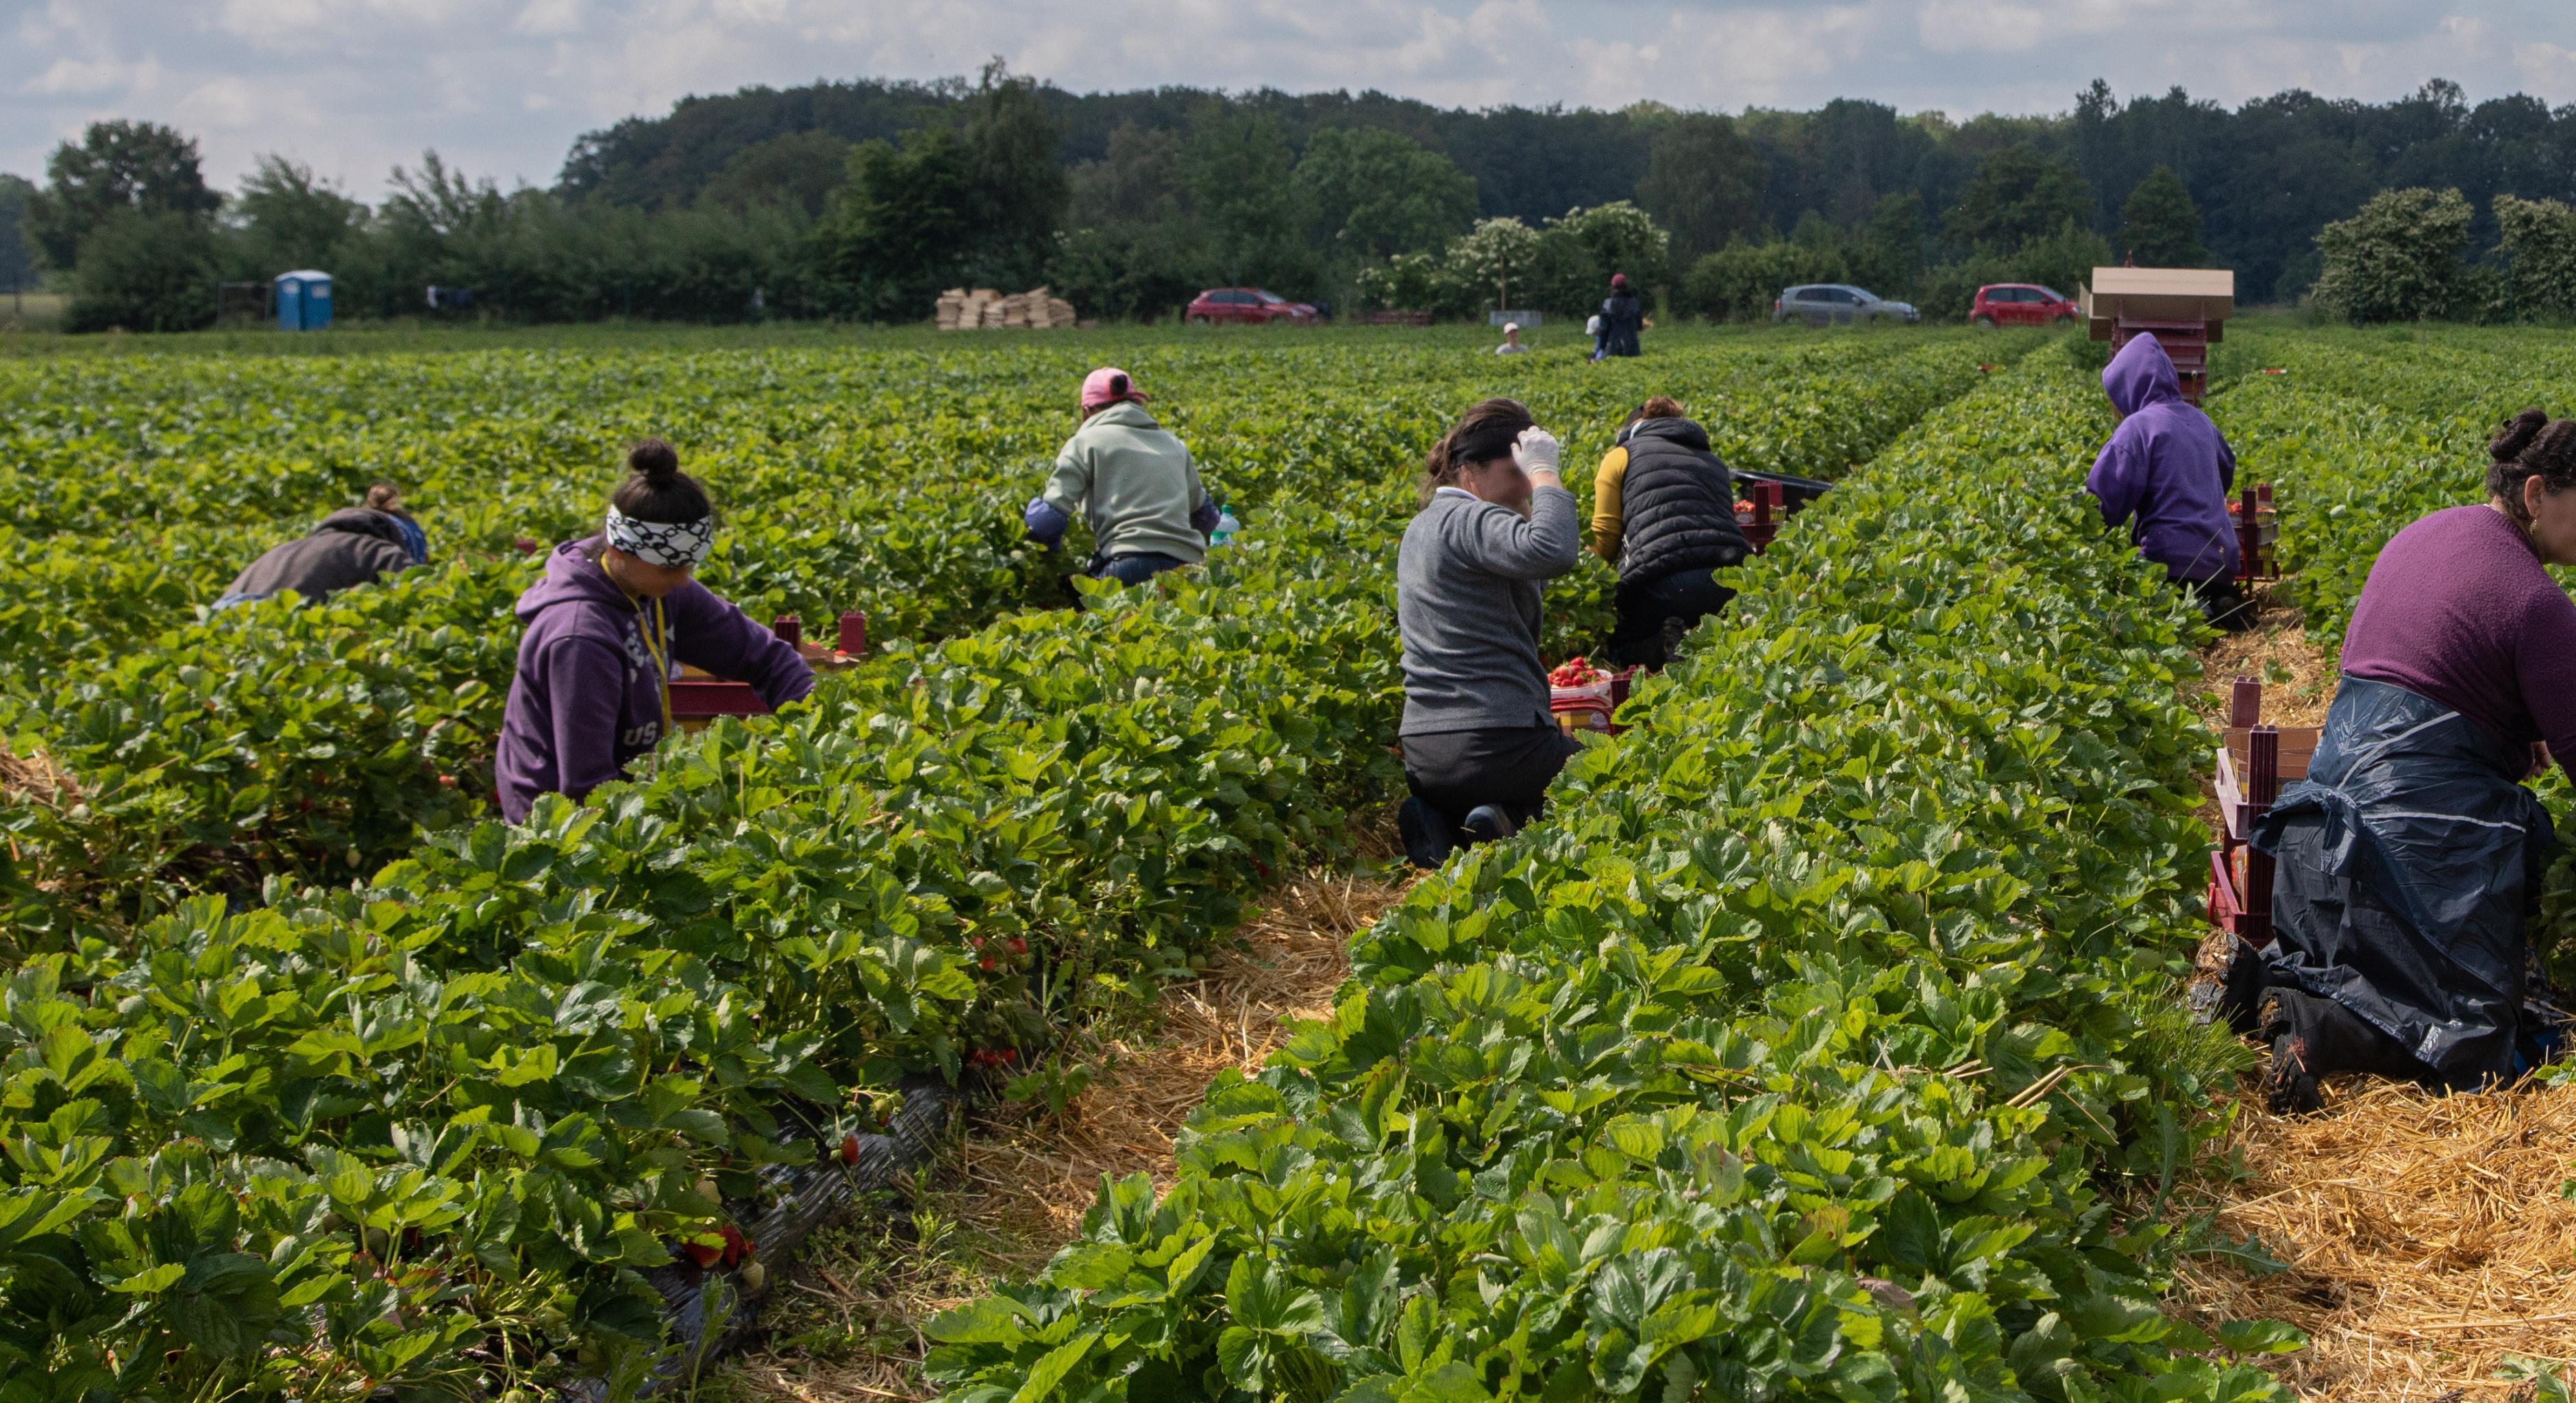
x=2426 y=1236
x=2298 y=677
x=845 y=1325
x=1042 y=1172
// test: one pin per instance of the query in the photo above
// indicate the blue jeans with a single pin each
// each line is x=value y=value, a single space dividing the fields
x=1133 y=569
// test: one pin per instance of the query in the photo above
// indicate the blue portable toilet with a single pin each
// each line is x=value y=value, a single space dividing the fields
x=303 y=301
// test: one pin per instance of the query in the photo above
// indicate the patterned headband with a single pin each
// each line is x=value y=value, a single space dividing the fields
x=676 y=544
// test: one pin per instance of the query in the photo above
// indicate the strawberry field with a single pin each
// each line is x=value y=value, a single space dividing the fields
x=1821 y=1043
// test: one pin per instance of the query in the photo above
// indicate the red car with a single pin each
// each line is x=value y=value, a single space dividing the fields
x=2022 y=304
x=1245 y=304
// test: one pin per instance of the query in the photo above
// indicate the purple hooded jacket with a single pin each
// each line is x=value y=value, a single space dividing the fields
x=2167 y=467
x=585 y=699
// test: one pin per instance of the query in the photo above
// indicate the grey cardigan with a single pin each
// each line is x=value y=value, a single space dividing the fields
x=1467 y=601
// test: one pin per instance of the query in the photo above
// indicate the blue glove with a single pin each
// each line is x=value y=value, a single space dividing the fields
x=1203 y=517
x=1046 y=524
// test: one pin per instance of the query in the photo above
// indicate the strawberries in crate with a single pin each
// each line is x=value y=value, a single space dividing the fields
x=1576 y=671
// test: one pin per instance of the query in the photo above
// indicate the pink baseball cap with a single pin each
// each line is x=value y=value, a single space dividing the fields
x=1108 y=385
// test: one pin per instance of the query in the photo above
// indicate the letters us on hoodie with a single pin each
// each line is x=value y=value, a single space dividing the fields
x=587 y=699
x=2167 y=470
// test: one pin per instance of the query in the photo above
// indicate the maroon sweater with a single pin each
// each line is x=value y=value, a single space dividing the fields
x=2459 y=609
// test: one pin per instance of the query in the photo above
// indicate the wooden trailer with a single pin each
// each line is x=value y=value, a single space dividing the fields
x=2185 y=309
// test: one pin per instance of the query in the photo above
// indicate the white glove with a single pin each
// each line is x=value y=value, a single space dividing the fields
x=1535 y=450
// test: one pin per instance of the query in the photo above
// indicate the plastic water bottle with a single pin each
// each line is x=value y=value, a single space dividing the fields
x=1226 y=526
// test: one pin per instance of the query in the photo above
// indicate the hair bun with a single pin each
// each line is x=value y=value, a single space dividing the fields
x=654 y=461
x=2517 y=435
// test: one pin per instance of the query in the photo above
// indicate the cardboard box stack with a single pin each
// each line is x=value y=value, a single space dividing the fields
x=986 y=310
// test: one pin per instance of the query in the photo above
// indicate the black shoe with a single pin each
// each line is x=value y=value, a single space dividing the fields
x=1488 y=824
x=1428 y=838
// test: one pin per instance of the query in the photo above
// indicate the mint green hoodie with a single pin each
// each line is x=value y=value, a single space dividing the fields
x=1132 y=481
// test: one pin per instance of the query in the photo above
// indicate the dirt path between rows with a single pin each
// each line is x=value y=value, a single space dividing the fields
x=845 y=1324
x=2427 y=1241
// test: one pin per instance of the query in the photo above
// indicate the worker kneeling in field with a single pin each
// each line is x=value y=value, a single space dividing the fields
x=1132 y=481
x=1480 y=744
x=1663 y=512
x=2410 y=858
x=352 y=546
x=607 y=628
x=2166 y=472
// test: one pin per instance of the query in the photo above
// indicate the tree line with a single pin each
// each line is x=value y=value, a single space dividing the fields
x=863 y=199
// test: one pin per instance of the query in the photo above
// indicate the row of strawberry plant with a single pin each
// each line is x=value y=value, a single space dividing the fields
x=1808 y=1050
x=428 y=1129
x=315 y=743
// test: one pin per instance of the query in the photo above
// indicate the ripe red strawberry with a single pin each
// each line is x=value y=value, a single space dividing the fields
x=850 y=1149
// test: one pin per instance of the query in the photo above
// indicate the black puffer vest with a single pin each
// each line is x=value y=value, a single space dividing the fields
x=1676 y=502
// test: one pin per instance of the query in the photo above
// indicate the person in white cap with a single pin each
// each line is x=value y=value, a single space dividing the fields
x=1511 y=341
x=1132 y=481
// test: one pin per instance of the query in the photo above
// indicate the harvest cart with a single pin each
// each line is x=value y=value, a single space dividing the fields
x=2258 y=534
x=2185 y=309
x=2254 y=761
x=1770 y=498
x=698 y=698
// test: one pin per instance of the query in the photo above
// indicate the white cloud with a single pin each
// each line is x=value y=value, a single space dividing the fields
x=68 y=77
x=502 y=87
x=549 y=17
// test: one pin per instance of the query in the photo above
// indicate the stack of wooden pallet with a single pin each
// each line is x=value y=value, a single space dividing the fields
x=986 y=310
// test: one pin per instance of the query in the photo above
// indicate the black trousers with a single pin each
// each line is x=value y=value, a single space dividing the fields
x=1681 y=598
x=1456 y=771
x=2222 y=603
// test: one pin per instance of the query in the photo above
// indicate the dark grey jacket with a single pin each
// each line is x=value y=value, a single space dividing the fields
x=1467 y=601
x=351 y=547
x=1676 y=503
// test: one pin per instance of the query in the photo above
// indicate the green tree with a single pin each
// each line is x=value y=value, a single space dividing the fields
x=145 y=272
x=17 y=255
x=1887 y=254
x=1373 y=192
x=1139 y=180
x=2398 y=259
x=116 y=168
x=2539 y=247
x=799 y=170
x=289 y=219
x=2018 y=195
x=1016 y=186
x=2160 y=226
x=1494 y=258
x=1704 y=182
x=1240 y=177
x=899 y=228
x=1579 y=252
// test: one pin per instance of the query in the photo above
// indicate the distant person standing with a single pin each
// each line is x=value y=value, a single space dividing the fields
x=1132 y=481
x=1592 y=328
x=1622 y=317
x=1511 y=341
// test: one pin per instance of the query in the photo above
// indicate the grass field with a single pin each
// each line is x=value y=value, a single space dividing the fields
x=1821 y=1043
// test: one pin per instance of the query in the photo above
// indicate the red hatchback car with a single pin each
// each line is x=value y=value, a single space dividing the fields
x=2022 y=304
x=1245 y=304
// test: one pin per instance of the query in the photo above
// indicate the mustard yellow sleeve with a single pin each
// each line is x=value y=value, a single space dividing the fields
x=1605 y=503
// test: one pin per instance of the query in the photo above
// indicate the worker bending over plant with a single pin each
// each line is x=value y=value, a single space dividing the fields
x=352 y=546
x=2410 y=858
x=609 y=626
x=2166 y=473
x=1663 y=513
x=1132 y=481
x=1480 y=744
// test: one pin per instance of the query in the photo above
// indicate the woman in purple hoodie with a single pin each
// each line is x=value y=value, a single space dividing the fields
x=610 y=624
x=2166 y=473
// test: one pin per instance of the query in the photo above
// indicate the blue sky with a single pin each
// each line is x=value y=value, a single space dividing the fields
x=501 y=87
